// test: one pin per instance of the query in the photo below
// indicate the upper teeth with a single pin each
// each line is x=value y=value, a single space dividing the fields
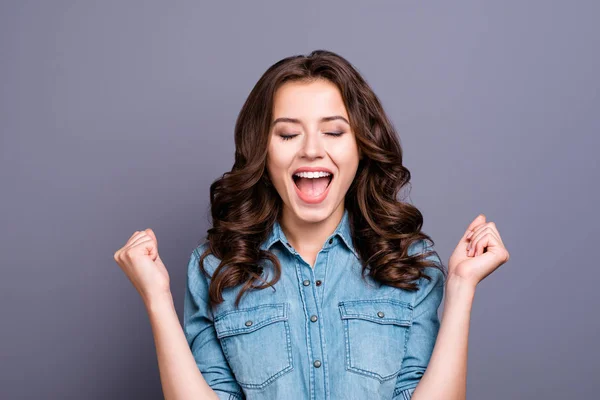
x=318 y=174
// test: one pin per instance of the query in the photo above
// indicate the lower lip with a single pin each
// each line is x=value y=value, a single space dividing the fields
x=312 y=199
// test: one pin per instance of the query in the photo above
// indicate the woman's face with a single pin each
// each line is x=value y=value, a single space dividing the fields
x=310 y=129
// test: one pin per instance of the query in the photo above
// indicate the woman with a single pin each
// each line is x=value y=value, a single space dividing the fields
x=315 y=281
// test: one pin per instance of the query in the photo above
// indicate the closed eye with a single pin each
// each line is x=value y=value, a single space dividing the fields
x=334 y=134
x=287 y=137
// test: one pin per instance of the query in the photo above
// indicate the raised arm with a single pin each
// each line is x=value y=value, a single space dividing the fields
x=179 y=373
x=479 y=252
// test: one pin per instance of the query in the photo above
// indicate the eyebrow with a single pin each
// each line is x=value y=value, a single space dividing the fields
x=297 y=121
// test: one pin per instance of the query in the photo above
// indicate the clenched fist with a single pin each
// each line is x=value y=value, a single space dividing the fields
x=141 y=263
x=479 y=252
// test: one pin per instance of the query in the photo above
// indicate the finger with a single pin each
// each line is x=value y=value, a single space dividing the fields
x=480 y=219
x=133 y=237
x=150 y=232
x=136 y=235
x=490 y=254
x=486 y=242
x=482 y=233
x=478 y=222
x=493 y=226
x=140 y=239
x=478 y=231
x=148 y=245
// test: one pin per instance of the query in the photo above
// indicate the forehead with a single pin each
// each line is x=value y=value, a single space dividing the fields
x=308 y=101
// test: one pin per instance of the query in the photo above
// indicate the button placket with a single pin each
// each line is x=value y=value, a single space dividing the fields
x=311 y=294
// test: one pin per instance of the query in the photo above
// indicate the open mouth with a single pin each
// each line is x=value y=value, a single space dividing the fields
x=312 y=186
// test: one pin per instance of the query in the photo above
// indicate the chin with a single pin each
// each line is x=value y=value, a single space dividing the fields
x=312 y=215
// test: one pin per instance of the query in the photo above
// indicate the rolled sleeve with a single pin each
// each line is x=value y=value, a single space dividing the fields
x=424 y=329
x=201 y=335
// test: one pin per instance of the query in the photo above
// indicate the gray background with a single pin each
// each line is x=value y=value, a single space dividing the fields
x=116 y=116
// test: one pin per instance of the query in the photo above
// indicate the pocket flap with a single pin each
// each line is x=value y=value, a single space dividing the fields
x=249 y=319
x=381 y=311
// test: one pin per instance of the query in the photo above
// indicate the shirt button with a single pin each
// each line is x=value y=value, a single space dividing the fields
x=317 y=363
x=248 y=323
x=380 y=314
x=330 y=241
x=313 y=318
x=318 y=283
x=306 y=282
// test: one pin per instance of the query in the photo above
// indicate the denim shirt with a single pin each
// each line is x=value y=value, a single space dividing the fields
x=323 y=333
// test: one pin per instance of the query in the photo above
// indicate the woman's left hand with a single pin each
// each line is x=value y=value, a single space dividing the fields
x=479 y=252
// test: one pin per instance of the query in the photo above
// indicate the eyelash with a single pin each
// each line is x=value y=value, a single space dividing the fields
x=334 y=134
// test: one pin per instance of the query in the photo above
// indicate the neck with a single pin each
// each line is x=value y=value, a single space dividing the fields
x=309 y=236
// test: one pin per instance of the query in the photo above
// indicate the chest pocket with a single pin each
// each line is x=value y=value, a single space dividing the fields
x=375 y=333
x=256 y=342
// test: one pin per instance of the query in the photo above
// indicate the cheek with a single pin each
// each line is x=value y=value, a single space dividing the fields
x=280 y=155
x=277 y=166
x=345 y=155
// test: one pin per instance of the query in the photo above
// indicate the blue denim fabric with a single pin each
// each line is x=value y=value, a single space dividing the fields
x=323 y=333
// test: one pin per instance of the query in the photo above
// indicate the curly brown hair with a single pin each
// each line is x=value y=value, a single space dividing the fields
x=245 y=204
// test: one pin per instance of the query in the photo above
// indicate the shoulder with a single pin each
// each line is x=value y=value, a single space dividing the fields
x=418 y=247
x=210 y=262
x=435 y=273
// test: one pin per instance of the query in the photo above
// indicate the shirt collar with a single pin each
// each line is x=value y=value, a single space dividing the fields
x=342 y=231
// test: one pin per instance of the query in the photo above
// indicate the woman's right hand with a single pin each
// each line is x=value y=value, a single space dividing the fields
x=140 y=261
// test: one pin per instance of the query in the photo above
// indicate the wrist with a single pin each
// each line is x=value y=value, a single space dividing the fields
x=156 y=301
x=458 y=284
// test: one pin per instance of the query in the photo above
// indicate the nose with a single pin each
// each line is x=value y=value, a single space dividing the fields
x=313 y=146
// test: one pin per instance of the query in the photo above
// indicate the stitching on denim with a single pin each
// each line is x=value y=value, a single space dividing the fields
x=276 y=375
x=311 y=372
x=235 y=396
x=242 y=310
x=372 y=374
x=382 y=321
x=222 y=332
x=346 y=324
x=401 y=303
x=322 y=330
x=405 y=393
x=273 y=377
x=289 y=341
